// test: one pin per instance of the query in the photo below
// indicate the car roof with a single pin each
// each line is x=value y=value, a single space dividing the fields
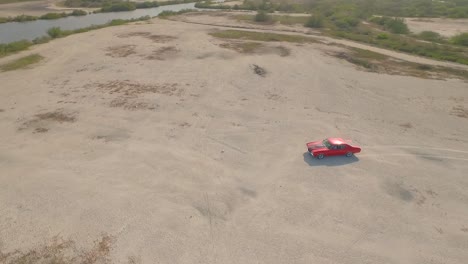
x=337 y=141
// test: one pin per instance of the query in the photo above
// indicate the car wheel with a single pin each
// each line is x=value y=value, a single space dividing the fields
x=320 y=156
x=349 y=154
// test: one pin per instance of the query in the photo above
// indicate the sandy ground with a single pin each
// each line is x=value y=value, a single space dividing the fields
x=158 y=137
x=444 y=26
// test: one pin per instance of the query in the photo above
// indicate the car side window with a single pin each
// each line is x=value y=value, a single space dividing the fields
x=341 y=147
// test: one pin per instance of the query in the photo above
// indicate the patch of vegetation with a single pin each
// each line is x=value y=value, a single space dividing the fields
x=376 y=62
x=21 y=63
x=392 y=24
x=261 y=36
x=282 y=19
x=118 y=7
x=315 y=21
x=243 y=47
x=209 y=5
x=430 y=36
x=9 y=48
x=405 y=44
x=167 y=13
x=48 y=16
x=78 y=13
x=460 y=39
x=53 y=16
x=119 y=3
x=262 y=16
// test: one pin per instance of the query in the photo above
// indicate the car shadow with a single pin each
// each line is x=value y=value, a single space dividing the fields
x=329 y=161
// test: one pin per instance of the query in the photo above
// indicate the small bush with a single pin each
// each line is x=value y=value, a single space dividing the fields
x=460 y=39
x=314 y=21
x=78 y=13
x=55 y=32
x=382 y=36
x=394 y=25
x=430 y=36
x=262 y=16
x=3 y=20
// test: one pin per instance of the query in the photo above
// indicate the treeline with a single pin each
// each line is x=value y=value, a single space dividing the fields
x=360 y=8
x=48 y=16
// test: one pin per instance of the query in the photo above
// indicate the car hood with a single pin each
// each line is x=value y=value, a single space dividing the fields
x=315 y=145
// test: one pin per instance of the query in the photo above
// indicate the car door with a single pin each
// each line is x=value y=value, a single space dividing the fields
x=333 y=151
x=342 y=149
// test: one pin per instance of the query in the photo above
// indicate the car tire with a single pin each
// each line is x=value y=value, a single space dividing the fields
x=349 y=154
x=320 y=156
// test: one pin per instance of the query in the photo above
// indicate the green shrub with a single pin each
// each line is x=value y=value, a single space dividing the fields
x=430 y=36
x=393 y=24
x=382 y=36
x=460 y=39
x=78 y=13
x=262 y=16
x=314 y=21
x=147 y=4
x=53 y=16
x=54 y=32
x=3 y=20
x=118 y=7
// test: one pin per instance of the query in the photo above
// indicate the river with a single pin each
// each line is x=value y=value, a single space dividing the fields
x=15 y=31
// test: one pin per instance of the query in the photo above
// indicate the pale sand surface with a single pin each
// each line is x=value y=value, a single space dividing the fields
x=173 y=146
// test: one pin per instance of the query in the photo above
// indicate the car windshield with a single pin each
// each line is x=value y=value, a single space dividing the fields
x=326 y=143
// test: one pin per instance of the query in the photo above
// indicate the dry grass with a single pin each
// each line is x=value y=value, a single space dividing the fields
x=60 y=251
x=261 y=36
x=21 y=63
x=148 y=35
x=255 y=48
x=163 y=53
x=128 y=88
x=121 y=51
x=40 y=122
x=460 y=111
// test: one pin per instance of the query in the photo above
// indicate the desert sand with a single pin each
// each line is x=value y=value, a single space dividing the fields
x=168 y=144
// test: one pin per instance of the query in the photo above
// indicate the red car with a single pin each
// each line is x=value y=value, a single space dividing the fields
x=332 y=147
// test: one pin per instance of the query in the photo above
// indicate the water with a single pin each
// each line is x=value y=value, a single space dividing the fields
x=15 y=31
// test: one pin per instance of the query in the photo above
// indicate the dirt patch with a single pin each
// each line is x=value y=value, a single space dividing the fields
x=406 y=125
x=1 y=110
x=62 y=251
x=121 y=51
x=255 y=48
x=131 y=104
x=148 y=35
x=460 y=111
x=259 y=70
x=163 y=53
x=128 y=88
x=40 y=122
x=127 y=94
